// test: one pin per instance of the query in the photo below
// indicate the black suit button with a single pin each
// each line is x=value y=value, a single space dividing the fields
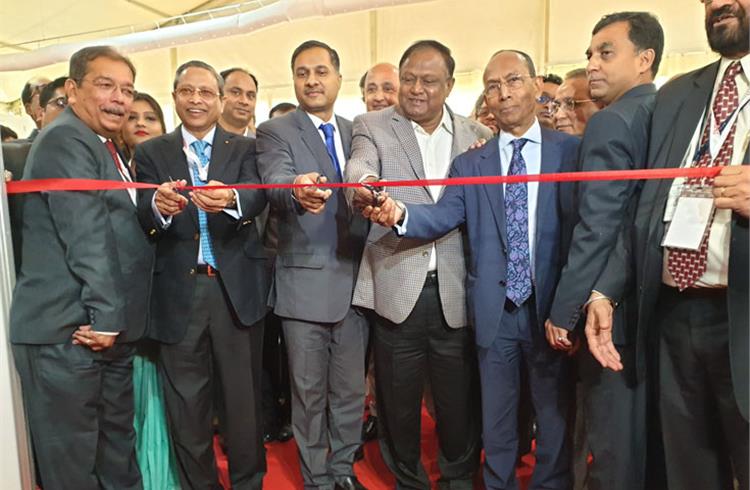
x=503 y=283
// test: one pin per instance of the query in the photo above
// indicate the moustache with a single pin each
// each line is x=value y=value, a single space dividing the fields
x=725 y=10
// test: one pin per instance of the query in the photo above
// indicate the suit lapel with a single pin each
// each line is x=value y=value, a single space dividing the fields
x=220 y=153
x=404 y=131
x=547 y=191
x=687 y=118
x=312 y=139
x=490 y=166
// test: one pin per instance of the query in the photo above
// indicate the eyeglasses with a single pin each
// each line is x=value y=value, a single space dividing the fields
x=545 y=99
x=205 y=94
x=61 y=102
x=108 y=86
x=514 y=82
x=567 y=104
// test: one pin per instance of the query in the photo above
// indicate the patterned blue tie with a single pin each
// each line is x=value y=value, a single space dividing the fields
x=517 y=223
x=328 y=130
x=199 y=147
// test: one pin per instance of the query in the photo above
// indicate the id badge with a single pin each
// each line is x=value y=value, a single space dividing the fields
x=691 y=218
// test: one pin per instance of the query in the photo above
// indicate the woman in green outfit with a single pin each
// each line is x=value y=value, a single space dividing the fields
x=153 y=448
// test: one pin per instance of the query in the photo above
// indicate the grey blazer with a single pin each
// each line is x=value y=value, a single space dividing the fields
x=86 y=259
x=393 y=269
x=317 y=255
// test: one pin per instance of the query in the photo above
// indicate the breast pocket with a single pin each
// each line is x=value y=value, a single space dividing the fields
x=303 y=261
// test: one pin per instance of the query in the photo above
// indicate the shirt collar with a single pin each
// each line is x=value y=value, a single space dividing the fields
x=318 y=121
x=533 y=134
x=446 y=122
x=725 y=62
x=188 y=138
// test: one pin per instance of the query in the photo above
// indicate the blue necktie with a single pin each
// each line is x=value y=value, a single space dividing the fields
x=328 y=130
x=517 y=223
x=199 y=147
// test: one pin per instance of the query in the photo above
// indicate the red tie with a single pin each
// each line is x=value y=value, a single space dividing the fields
x=687 y=266
x=113 y=151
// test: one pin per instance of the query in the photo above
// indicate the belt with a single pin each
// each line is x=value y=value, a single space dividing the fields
x=431 y=279
x=206 y=269
x=695 y=292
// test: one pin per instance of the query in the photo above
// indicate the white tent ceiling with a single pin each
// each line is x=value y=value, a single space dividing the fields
x=554 y=32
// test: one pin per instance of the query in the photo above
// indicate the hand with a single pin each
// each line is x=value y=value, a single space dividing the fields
x=212 y=200
x=732 y=189
x=363 y=197
x=387 y=214
x=557 y=337
x=94 y=341
x=478 y=144
x=599 y=333
x=168 y=201
x=311 y=198
x=8 y=175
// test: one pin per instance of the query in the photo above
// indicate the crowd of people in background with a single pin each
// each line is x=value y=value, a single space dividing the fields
x=605 y=320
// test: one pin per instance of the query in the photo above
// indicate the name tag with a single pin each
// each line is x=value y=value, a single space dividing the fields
x=689 y=222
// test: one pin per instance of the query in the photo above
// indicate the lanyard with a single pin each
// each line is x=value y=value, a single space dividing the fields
x=718 y=135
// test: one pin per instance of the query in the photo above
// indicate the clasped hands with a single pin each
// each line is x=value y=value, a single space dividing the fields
x=376 y=205
x=170 y=202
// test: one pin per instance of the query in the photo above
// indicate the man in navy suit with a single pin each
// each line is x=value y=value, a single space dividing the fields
x=517 y=249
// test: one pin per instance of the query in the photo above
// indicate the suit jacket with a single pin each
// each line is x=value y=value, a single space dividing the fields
x=481 y=209
x=239 y=254
x=393 y=269
x=679 y=107
x=616 y=138
x=86 y=260
x=317 y=255
x=14 y=160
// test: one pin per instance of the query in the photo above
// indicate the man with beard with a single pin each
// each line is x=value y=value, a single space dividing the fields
x=695 y=299
x=624 y=56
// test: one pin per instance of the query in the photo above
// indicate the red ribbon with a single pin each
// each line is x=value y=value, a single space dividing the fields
x=49 y=185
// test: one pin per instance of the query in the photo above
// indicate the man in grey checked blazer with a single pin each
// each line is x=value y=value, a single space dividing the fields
x=416 y=288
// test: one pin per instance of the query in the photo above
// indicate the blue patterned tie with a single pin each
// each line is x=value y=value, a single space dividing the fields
x=517 y=223
x=328 y=130
x=199 y=147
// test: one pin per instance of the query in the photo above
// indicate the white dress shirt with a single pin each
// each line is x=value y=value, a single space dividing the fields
x=717 y=261
x=532 y=155
x=435 y=150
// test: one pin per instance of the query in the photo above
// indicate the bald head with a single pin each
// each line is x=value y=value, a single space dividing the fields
x=381 y=87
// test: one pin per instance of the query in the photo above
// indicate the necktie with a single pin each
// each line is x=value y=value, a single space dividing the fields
x=687 y=266
x=517 y=224
x=199 y=147
x=113 y=151
x=328 y=130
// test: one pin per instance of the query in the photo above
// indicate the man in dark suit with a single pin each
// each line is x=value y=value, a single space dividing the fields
x=210 y=283
x=82 y=291
x=624 y=57
x=516 y=244
x=319 y=248
x=695 y=301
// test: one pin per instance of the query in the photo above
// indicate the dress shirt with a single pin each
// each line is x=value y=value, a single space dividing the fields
x=336 y=137
x=188 y=139
x=717 y=261
x=435 y=150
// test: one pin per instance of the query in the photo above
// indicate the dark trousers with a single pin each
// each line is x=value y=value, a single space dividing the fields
x=424 y=346
x=215 y=349
x=519 y=341
x=327 y=370
x=705 y=436
x=613 y=414
x=276 y=388
x=79 y=405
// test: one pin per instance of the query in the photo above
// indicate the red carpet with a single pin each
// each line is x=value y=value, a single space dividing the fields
x=284 y=473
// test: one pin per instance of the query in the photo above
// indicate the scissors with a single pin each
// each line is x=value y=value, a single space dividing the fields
x=376 y=191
